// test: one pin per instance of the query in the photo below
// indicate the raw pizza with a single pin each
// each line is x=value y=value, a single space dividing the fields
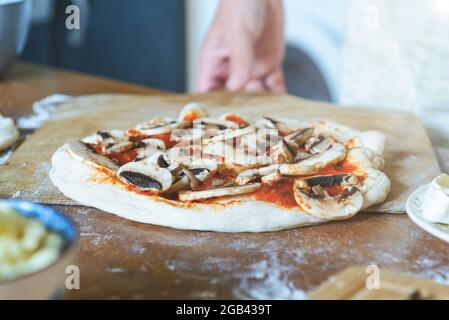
x=227 y=174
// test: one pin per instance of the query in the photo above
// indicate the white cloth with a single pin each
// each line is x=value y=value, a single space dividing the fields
x=396 y=55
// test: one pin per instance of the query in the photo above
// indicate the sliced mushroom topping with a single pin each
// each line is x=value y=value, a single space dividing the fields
x=104 y=134
x=270 y=123
x=161 y=126
x=154 y=144
x=117 y=147
x=106 y=137
x=140 y=180
x=162 y=160
x=301 y=156
x=148 y=154
x=267 y=123
x=322 y=144
x=235 y=155
x=182 y=184
x=296 y=169
x=114 y=141
x=314 y=163
x=300 y=137
x=284 y=152
x=193 y=111
x=82 y=152
x=249 y=175
x=319 y=191
x=272 y=178
x=218 y=192
x=334 y=154
x=203 y=169
x=146 y=176
x=233 y=134
x=208 y=123
x=252 y=143
x=139 y=144
x=197 y=172
x=344 y=179
x=194 y=182
x=317 y=202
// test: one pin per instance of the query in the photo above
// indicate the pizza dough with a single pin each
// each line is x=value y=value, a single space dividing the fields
x=232 y=178
x=8 y=133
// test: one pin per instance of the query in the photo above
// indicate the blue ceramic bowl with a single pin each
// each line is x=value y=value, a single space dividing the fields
x=45 y=283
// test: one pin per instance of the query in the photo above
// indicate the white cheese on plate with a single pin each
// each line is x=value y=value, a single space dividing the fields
x=435 y=207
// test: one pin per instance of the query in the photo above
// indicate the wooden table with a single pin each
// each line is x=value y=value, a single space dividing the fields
x=124 y=259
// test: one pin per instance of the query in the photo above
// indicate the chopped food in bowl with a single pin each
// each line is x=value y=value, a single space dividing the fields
x=36 y=245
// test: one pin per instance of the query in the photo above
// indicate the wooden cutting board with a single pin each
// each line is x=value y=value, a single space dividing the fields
x=410 y=160
x=358 y=283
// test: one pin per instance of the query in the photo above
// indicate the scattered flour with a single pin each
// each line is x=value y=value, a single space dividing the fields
x=267 y=279
x=259 y=266
x=42 y=109
x=116 y=270
x=16 y=194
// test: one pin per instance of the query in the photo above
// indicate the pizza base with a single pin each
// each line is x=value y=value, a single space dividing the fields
x=79 y=181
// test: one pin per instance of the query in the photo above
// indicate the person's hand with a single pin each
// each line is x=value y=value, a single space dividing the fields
x=244 y=48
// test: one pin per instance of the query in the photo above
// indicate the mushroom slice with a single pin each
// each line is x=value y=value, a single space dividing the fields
x=344 y=179
x=249 y=175
x=212 y=123
x=194 y=182
x=203 y=169
x=267 y=123
x=218 y=192
x=301 y=156
x=119 y=146
x=270 y=123
x=114 y=141
x=320 y=144
x=160 y=126
x=146 y=176
x=148 y=154
x=272 y=177
x=296 y=169
x=193 y=111
x=82 y=152
x=106 y=136
x=182 y=184
x=154 y=144
x=160 y=159
x=334 y=154
x=198 y=171
x=284 y=152
x=233 y=134
x=299 y=137
x=147 y=147
x=318 y=203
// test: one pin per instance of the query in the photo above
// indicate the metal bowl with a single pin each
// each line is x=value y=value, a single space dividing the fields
x=15 y=16
x=49 y=282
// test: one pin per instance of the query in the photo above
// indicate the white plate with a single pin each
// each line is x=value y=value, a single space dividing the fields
x=413 y=207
